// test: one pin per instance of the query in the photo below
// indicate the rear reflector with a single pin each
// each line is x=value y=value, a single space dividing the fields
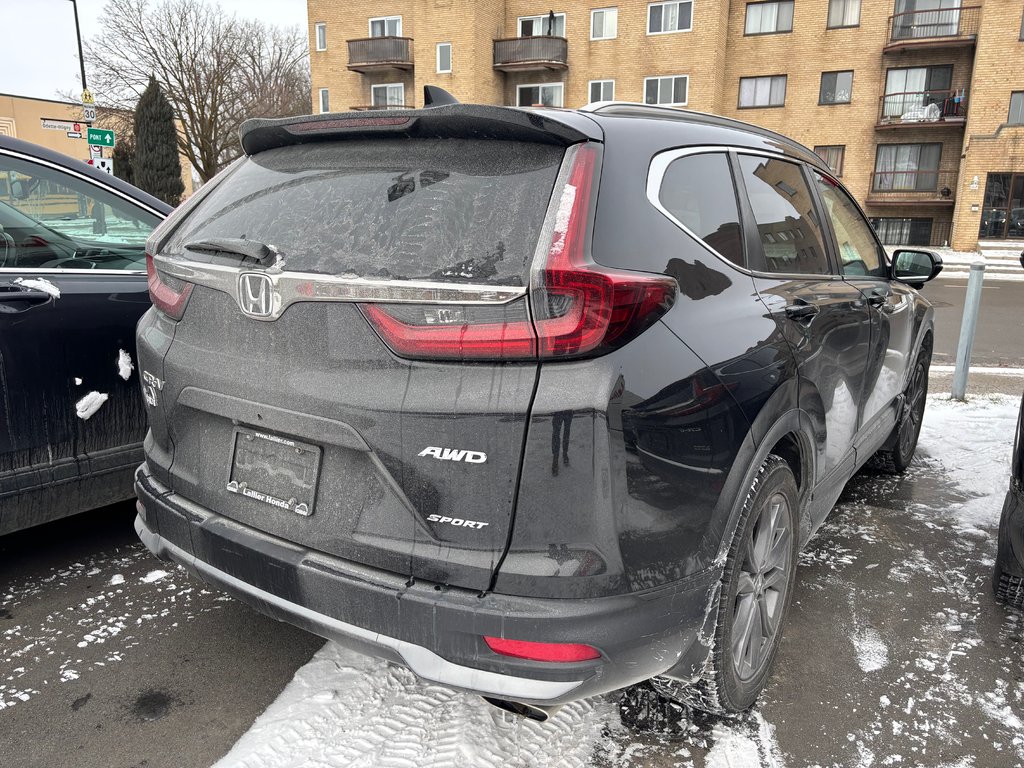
x=556 y=652
x=578 y=308
x=170 y=298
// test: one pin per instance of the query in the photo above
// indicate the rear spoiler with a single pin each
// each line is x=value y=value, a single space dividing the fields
x=445 y=121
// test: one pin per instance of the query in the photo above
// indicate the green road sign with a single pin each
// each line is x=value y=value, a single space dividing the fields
x=101 y=136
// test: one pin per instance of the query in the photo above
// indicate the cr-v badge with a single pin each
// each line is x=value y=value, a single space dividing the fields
x=454 y=454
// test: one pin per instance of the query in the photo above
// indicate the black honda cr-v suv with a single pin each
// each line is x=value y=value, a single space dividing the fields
x=537 y=403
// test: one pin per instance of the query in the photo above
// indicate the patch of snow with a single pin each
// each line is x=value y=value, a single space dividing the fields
x=124 y=365
x=89 y=404
x=152 y=576
x=39 y=284
x=343 y=708
x=872 y=652
x=78 y=382
x=116 y=579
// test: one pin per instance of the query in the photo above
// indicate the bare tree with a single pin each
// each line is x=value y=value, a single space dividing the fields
x=215 y=69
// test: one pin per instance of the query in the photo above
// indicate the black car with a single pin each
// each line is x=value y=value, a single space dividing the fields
x=1008 y=578
x=72 y=287
x=538 y=403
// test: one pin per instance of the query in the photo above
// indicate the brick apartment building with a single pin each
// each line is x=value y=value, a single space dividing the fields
x=917 y=104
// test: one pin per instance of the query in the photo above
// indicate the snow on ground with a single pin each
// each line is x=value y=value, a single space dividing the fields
x=105 y=626
x=343 y=709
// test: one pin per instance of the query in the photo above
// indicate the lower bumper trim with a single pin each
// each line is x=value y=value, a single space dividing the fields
x=422 y=661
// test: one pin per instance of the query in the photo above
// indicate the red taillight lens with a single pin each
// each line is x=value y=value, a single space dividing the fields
x=447 y=332
x=168 y=299
x=556 y=652
x=579 y=309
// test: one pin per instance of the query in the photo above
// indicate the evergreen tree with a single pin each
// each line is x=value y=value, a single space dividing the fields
x=156 y=167
x=124 y=159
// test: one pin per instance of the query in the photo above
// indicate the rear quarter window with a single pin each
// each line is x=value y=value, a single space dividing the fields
x=449 y=210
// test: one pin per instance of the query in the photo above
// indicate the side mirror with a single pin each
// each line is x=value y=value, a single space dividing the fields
x=915 y=268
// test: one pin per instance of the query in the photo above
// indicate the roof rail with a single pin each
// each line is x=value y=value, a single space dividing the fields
x=636 y=109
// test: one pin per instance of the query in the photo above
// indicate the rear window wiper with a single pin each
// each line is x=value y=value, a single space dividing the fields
x=253 y=249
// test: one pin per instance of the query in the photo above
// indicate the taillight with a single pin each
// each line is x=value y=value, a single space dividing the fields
x=168 y=294
x=578 y=308
x=555 y=652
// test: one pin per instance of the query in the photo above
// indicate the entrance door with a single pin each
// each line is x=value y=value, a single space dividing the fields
x=1002 y=215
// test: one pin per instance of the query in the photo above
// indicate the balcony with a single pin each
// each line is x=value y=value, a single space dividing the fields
x=922 y=109
x=943 y=28
x=369 y=54
x=519 y=54
x=912 y=187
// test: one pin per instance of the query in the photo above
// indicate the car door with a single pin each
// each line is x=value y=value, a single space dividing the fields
x=72 y=287
x=890 y=306
x=823 y=317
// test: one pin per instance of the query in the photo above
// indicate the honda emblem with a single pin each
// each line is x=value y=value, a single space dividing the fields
x=256 y=294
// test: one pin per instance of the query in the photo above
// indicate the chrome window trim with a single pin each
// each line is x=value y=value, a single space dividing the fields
x=61 y=271
x=294 y=287
x=656 y=174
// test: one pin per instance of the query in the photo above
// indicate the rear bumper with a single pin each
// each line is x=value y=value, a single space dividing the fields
x=435 y=630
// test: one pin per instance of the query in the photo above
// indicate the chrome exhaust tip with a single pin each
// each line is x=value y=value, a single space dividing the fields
x=529 y=711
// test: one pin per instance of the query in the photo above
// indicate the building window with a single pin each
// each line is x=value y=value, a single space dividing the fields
x=769 y=18
x=602 y=90
x=321 y=36
x=762 y=91
x=1016 y=108
x=910 y=89
x=663 y=18
x=543 y=95
x=832 y=155
x=389 y=95
x=843 y=13
x=536 y=26
x=604 y=23
x=836 y=87
x=444 y=57
x=669 y=91
x=386 y=26
x=325 y=100
x=912 y=167
x=896 y=231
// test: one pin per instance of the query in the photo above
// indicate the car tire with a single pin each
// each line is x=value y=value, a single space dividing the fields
x=903 y=439
x=757 y=587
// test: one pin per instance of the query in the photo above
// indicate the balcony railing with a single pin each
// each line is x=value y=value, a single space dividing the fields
x=911 y=232
x=922 y=109
x=942 y=27
x=368 y=107
x=515 y=54
x=931 y=187
x=371 y=53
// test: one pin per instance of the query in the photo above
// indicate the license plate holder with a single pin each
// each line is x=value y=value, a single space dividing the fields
x=274 y=470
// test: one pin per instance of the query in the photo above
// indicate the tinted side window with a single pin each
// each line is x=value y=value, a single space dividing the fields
x=53 y=220
x=783 y=209
x=858 y=250
x=698 y=191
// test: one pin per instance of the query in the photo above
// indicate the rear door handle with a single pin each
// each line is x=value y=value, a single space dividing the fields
x=801 y=310
x=15 y=299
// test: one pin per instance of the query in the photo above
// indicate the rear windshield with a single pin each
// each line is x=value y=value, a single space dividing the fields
x=450 y=210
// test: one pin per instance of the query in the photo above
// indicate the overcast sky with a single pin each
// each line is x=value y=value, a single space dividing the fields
x=39 y=54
